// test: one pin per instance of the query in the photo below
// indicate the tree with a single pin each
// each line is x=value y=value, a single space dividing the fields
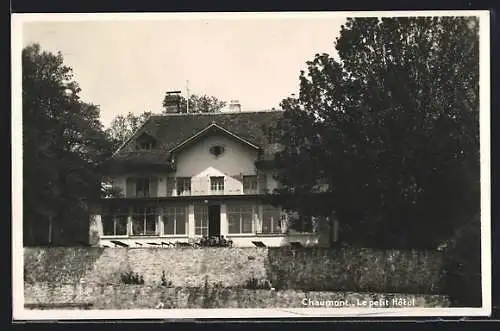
x=124 y=126
x=63 y=145
x=462 y=265
x=197 y=103
x=392 y=128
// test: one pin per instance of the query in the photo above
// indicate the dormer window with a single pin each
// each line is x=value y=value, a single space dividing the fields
x=145 y=143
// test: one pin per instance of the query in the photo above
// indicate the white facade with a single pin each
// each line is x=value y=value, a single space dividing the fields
x=197 y=163
x=209 y=194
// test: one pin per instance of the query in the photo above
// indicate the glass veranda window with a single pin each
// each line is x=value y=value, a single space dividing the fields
x=240 y=218
x=144 y=221
x=271 y=219
x=114 y=222
x=201 y=220
x=174 y=219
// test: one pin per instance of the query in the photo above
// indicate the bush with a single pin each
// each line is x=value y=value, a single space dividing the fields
x=213 y=294
x=164 y=281
x=131 y=278
x=255 y=284
x=462 y=280
x=214 y=241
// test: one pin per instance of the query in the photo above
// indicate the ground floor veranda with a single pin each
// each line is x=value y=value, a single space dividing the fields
x=163 y=222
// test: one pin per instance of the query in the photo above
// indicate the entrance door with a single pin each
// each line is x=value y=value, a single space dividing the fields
x=214 y=221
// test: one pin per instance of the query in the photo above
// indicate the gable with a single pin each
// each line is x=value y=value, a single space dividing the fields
x=233 y=157
x=212 y=129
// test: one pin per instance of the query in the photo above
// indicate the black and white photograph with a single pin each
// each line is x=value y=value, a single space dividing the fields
x=251 y=165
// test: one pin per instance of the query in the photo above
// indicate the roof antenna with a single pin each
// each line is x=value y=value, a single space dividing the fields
x=187 y=96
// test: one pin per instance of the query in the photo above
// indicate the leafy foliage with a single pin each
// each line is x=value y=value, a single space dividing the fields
x=63 y=145
x=253 y=283
x=124 y=126
x=164 y=281
x=391 y=128
x=197 y=103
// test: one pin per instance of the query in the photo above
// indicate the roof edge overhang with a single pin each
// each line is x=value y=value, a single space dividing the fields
x=115 y=167
x=266 y=164
x=214 y=127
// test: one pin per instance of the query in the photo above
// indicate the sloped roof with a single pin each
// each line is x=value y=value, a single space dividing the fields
x=170 y=130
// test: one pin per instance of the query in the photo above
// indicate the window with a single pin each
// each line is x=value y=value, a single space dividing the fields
x=142 y=187
x=144 y=221
x=250 y=184
x=145 y=142
x=201 y=220
x=216 y=150
x=240 y=218
x=271 y=219
x=183 y=186
x=114 y=222
x=217 y=184
x=145 y=145
x=174 y=220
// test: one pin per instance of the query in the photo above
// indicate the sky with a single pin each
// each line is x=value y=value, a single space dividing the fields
x=128 y=65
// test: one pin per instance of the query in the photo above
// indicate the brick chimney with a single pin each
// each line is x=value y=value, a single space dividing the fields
x=172 y=102
x=235 y=106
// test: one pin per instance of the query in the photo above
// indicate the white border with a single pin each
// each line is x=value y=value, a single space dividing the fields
x=20 y=313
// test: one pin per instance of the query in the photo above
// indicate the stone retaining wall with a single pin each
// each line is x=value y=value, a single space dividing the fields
x=149 y=297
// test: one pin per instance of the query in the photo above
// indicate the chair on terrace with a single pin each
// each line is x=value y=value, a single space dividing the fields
x=119 y=243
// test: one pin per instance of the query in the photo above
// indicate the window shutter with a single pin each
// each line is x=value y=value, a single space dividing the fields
x=130 y=188
x=153 y=187
x=262 y=182
x=197 y=185
x=170 y=186
x=233 y=184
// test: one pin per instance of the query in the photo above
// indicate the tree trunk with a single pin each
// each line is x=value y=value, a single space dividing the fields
x=31 y=239
x=50 y=229
x=331 y=229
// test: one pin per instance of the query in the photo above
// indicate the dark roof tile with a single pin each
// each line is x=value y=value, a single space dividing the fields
x=172 y=129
